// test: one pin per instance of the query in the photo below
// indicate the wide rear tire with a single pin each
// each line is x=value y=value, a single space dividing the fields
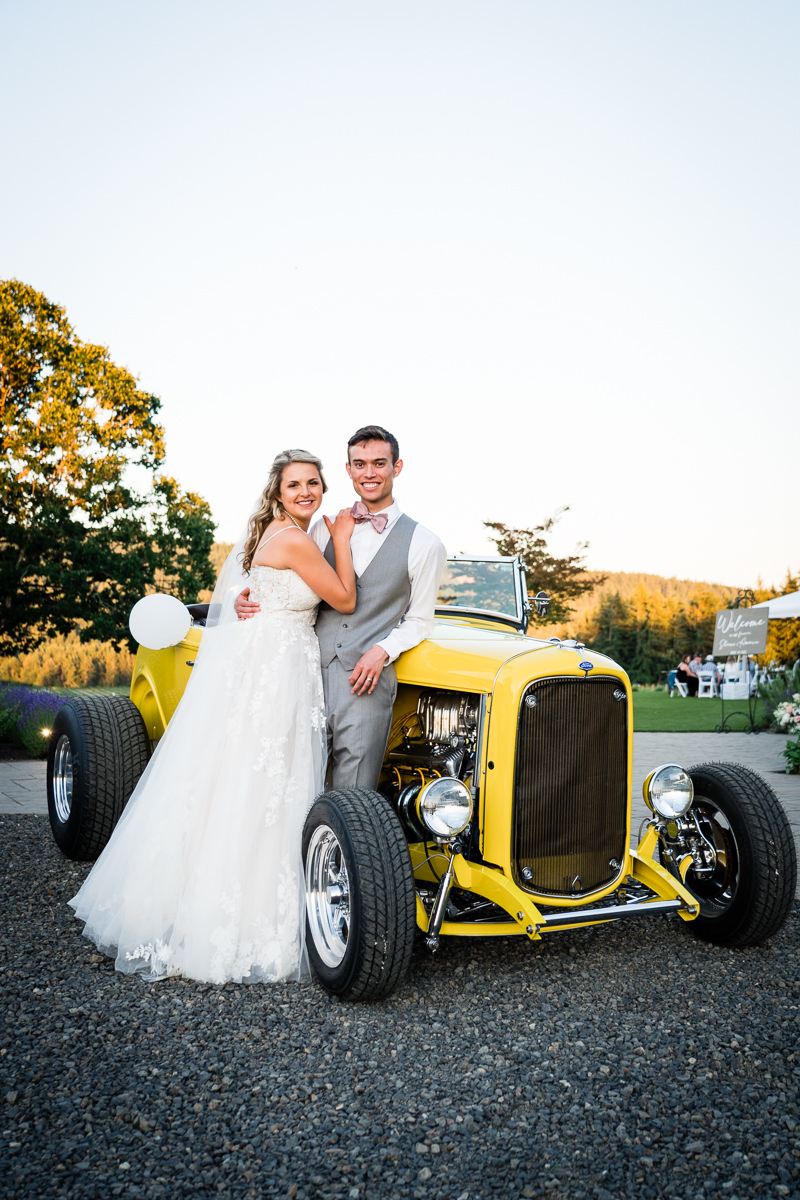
x=98 y=749
x=360 y=900
x=750 y=894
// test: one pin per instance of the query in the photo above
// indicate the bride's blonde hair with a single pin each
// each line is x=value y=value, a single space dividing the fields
x=269 y=506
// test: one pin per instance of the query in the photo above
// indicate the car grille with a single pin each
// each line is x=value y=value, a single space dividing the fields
x=570 y=785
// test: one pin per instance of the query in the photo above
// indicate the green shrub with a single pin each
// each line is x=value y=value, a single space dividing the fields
x=10 y=706
x=780 y=689
x=791 y=752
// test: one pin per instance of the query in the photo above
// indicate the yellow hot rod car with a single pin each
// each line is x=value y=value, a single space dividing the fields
x=504 y=807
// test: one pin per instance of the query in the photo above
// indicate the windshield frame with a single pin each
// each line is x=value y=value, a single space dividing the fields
x=519 y=618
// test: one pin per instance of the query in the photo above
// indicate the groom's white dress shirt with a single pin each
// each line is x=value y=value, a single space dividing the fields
x=426 y=559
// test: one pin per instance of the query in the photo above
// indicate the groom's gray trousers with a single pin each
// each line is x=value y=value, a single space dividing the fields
x=358 y=726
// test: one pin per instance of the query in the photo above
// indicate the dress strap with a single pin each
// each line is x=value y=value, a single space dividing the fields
x=274 y=535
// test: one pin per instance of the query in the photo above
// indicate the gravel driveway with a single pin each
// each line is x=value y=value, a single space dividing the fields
x=628 y=1060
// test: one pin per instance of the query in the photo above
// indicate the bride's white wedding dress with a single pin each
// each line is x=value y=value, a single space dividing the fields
x=202 y=875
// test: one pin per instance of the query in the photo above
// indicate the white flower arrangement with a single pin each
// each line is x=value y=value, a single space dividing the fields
x=786 y=717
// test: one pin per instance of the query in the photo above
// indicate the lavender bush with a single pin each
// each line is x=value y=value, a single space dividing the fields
x=10 y=707
x=24 y=713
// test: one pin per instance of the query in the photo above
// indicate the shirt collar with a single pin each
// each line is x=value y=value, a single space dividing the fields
x=392 y=512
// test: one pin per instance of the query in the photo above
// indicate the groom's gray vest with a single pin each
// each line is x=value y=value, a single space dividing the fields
x=383 y=592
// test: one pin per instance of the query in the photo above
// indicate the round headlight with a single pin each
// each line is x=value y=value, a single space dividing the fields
x=445 y=806
x=668 y=791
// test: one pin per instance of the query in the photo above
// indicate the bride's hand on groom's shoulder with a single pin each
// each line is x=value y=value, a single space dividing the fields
x=343 y=524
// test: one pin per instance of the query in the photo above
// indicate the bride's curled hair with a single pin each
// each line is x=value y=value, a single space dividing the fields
x=269 y=506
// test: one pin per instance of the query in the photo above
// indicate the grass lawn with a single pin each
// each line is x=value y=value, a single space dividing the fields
x=655 y=712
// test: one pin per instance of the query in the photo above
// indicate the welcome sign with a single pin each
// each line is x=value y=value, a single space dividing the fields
x=741 y=631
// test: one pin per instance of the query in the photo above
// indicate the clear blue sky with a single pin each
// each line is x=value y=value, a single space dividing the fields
x=554 y=247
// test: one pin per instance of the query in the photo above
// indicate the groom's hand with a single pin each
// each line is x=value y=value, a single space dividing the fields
x=367 y=671
x=244 y=607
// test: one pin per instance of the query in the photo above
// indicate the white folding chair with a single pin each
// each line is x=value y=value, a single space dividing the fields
x=681 y=688
x=707 y=685
x=736 y=680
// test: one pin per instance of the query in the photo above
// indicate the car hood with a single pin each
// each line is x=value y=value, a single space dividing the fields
x=467 y=656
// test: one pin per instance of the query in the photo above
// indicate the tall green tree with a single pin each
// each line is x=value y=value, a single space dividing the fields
x=783 y=639
x=77 y=540
x=563 y=579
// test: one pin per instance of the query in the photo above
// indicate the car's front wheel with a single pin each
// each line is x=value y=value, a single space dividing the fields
x=748 y=895
x=360 y=902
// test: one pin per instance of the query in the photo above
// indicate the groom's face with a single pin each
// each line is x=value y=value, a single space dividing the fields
x=373 y=473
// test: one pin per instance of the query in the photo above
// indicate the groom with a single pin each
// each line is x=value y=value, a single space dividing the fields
x=398 y=564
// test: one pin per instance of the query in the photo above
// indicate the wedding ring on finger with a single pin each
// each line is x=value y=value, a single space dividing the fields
x=368 y=679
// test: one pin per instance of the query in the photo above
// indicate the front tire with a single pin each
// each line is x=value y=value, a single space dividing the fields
x=98 y=749
x=360 y=901
x=748 y=897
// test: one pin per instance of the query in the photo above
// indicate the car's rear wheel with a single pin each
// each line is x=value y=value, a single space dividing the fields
x=747 y=897
x=97 y=752
x=360 y=903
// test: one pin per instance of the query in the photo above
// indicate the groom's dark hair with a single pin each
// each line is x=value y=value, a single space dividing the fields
x=374 y=433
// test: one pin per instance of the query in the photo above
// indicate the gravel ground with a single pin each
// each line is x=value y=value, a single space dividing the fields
x=628 y=1060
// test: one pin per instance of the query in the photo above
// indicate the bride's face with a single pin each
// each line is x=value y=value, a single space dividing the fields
x=301 y=491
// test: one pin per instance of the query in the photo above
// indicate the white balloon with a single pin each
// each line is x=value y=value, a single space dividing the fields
x=159 y=621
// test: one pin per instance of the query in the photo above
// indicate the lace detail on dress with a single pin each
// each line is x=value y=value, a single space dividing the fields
x=203 y=874
x=283 y=593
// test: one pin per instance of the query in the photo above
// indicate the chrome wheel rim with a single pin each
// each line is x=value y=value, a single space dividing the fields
x=62 y=779
x=327 y=896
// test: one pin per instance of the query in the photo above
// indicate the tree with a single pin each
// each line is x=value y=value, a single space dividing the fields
x=77 y=541
x=610 y=629
x=783 y=638
x=563 y=579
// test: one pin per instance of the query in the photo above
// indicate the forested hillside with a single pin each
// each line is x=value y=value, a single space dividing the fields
x=648 y=622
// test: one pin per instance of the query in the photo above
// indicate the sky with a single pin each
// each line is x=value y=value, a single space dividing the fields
x=552 y=247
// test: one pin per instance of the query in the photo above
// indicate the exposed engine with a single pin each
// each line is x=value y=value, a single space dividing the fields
x=440 y=741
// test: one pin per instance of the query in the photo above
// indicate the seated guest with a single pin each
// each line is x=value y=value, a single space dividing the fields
x=731 y=670
x=686 y=675
x=709 y=667
x=697 y=662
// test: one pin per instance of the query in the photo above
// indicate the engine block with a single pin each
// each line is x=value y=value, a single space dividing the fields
x=444 y=716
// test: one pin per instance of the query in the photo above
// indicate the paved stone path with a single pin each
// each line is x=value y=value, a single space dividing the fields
x=23 y=787
x=23 y=784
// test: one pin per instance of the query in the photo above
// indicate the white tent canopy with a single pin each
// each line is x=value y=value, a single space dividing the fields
x=782 y=606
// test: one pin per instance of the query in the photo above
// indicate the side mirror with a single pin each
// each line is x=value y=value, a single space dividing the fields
x=541 y=603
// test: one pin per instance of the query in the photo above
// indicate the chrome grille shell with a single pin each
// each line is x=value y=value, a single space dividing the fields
x=571 y=793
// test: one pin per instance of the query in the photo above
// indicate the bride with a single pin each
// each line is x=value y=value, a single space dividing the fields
x=202 y=876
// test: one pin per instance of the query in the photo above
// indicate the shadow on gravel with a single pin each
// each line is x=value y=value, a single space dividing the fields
x=629 y=1060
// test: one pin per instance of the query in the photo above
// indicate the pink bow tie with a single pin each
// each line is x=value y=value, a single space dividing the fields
x=379 y=521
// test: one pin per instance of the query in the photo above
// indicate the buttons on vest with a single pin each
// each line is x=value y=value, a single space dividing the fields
x=344 y=625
